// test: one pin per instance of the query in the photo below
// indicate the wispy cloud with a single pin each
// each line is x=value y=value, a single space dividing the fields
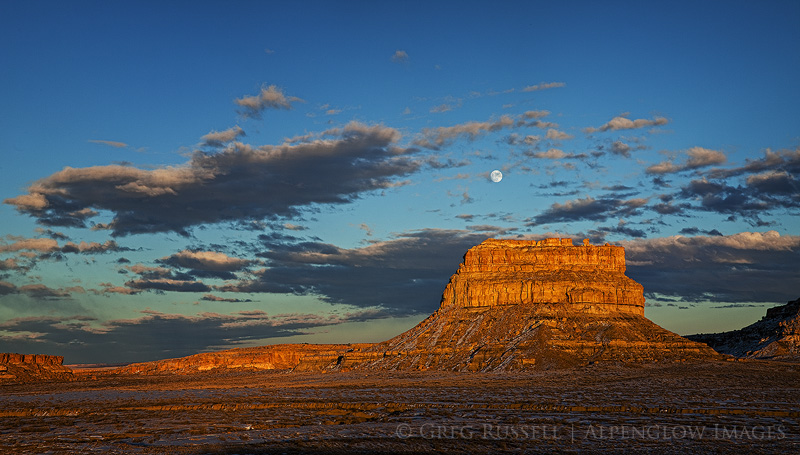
x=556 y=154
x=622 y=122
x=697 y=157
x=114 y=144
x=400 y=56
x=436 y=138
x=543 y=86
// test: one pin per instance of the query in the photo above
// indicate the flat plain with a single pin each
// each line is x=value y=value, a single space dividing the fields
x=681 y=408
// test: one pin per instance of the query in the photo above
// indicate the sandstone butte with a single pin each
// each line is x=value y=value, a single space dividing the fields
x=512 y=304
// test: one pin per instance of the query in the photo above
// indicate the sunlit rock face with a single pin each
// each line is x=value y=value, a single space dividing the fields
x=274 y=357
x=518 y=272
x=775 y=336
x=32 y=367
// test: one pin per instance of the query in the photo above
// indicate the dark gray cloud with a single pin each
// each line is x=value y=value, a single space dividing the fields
x=624 y=149
x=214 y=298
x=783 y=160
x=744 y=267
x=404 y=275
x=599 y=234
x=529 y=140
x=775 y=184
x=718 y=196
x=9 y=264
x=587 y=209
x=240 y=183
x=167 y=284
x=184 y=270
x=40 y=291
x=696 y=231
x=739 y=305
x=7 y=288
x=753 y=191
x=160 y=279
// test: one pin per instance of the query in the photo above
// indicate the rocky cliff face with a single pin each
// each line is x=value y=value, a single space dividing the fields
x=32 y=368
x=517 y=272
x=775 y=336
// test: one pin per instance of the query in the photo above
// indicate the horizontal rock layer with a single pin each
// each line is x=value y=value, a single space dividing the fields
x=39 y=359
x=512 y=272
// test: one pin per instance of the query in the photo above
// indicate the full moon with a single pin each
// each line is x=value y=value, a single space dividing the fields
x=496 y=176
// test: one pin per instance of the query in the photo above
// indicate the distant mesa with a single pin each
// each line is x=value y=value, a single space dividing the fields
x=511 y=305
x=776 y=336
x=16 y=368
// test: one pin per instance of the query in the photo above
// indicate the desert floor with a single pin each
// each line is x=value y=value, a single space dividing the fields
x=683 y=408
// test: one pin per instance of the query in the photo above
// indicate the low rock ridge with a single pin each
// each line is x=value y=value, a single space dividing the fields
x=274 y=357
x=775 y=336
x=32 y=368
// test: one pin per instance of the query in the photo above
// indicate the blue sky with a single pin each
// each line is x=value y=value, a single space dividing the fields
x=189 y=176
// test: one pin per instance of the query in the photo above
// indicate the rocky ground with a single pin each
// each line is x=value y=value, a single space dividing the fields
x=682 y=408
